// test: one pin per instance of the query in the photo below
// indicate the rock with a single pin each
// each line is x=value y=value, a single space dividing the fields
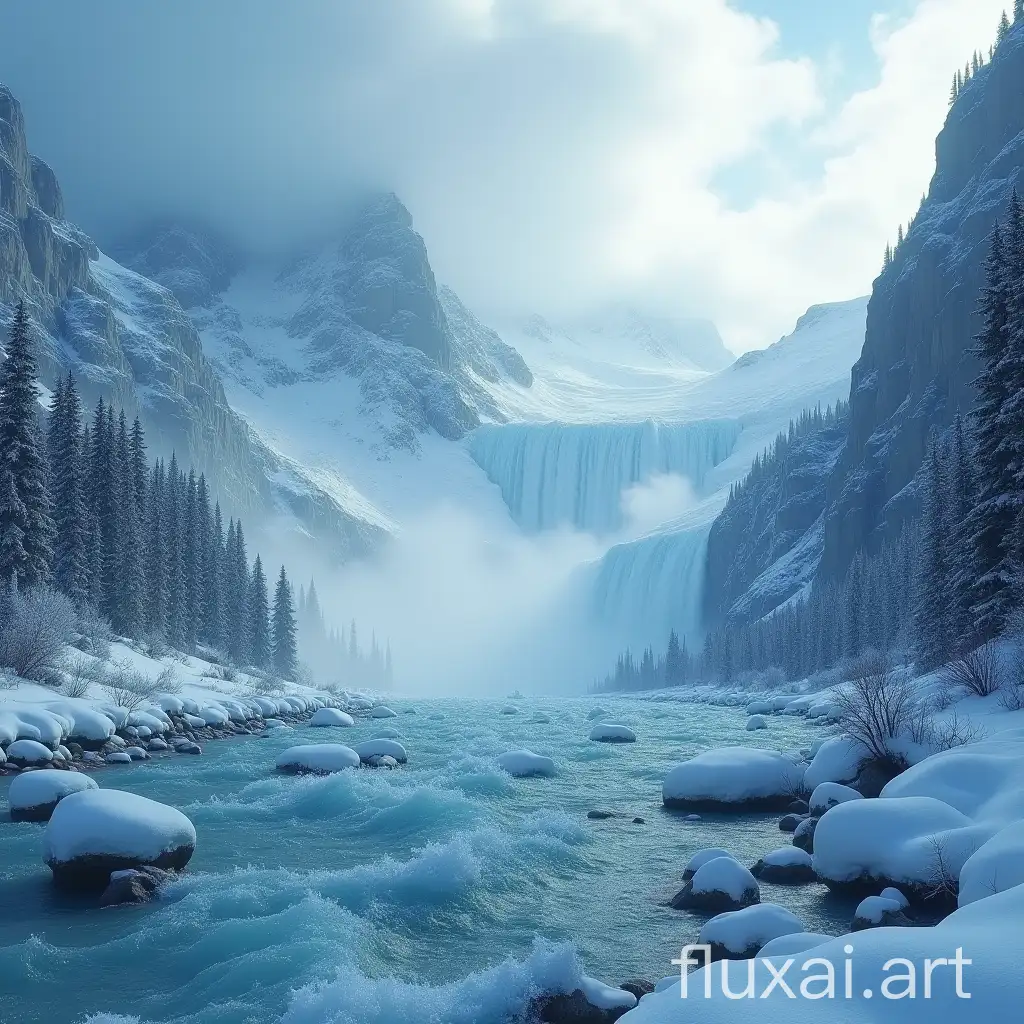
x=880 y=912
x=639 y=821
x=828 y=795
x=638 y=986
x=803 y=837
x=118 y=757
x=790 y=822
x=381 y=761
x=596 y=713
x=33 y=796
x=732 y=779
x=719 y=885
x=693 y=817
x=740 y=934
x=525 y=764
x=607 y=732
x=597 y=815
x=156 y=744
x=137 y=754
x=786 y=866
x=134 y=885
x=591 y=1003
x=188 y=747
x=98 y=831
x=327 y=717
x=28 y=753
x=798 y=807
x=317 y=759
x=510 y=709
x=699 y=859
x=756 y=722
x=381 y=748
x=383 y=711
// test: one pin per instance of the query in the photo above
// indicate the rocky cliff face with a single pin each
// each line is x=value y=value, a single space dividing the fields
x=916 y=368
x=128 y=339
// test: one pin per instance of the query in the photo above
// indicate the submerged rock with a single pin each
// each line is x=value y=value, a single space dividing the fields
x=134 y=885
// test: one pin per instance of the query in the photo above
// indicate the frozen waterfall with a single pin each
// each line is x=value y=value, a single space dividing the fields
x=557 y=474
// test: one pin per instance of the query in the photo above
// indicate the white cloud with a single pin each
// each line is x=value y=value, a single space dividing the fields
x=554 y=153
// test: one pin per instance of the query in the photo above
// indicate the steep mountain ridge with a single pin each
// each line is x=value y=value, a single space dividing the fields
x=128 y=340
x=916 y=369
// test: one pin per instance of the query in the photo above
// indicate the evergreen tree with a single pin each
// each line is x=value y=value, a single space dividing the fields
x=260 y=646
x=213 y=616
x=285 y=655
x=173 y=515
x=993 y=514
x=674 y=669
x=1018 y=10
x=21 y=451
x=130 y=601
x=1004 y=28
x=156 y=611
x=960 y=552
x=13 y=525
x=71 y=568
x=236 y=580
x=932 y=604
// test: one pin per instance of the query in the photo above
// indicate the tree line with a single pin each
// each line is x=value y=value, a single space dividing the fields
x=83 y=510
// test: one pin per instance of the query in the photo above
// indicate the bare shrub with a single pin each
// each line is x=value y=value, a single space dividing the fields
x=37 y=626
x=943 y=880
x=80 y=672
x=976 y=672
x=127 y=687
x=879 y=705
x=1011 y=697
x=168 y=681
x=96 y=630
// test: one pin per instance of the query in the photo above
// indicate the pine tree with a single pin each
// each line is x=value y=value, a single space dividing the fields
x=992 y=516
x=236 y=605
x=285 y=654
x=213 y=612
x=932 y=605
x=961 y=562
x=191 y=564
x=131 y=599
x=259 y=617
x=1018 y=10
x=156 y=611
x=674 y=671
x=13 y=525
x=21 y=451
x=899 y=236
x=1004 y=29
x=71 y=519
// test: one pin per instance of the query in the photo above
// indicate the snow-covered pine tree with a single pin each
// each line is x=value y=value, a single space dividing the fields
x=21 y=451
x=173 y=514
x=932 y=607
x=13 y=523
x=156 y=560
x=673 y=661
x=1004 y=28
x=959 y=551
x=71 y=519
x=213 y=594
x=853 y=608
x=992 y=517
x=1018 y=10
x=191 y=566
x=260 y=647
x=130 y=603
x=237 y=591
x=285 y=654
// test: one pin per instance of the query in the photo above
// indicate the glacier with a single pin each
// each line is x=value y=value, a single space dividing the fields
x=558 y=474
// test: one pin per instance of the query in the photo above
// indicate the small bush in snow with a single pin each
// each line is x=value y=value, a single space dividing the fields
x=36 y=627
x=977 y=672
x=80 y=673
x=879 y=705
x=1012 y=695
x=96 y=631
x=168 y=681
x=127 y=687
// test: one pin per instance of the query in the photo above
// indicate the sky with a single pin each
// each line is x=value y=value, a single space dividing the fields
x=732 y=159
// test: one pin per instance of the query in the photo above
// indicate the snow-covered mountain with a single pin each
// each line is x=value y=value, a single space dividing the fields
x=128 y=339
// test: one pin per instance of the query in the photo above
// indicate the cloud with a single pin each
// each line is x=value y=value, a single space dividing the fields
x=554 y=152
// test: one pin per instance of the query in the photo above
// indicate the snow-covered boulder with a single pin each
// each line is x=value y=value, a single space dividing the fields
x=740 y=934
x=29 y=754
x=607 y=732
x=828 y=794
x=118 y=757
x=912 y=843
x=720 y=884
x=510 y=709
x=525 y=763
x=194 y=721
x=317 y=759
x=97 y=831
x=592 y=1002
x=837 y=760
x=388 y=734
x=803 y=834
x=327 y=717
x=879 y=912
x=733 y=778
x=540 y=719
x=997 y=865
x=759 y=707
x=594 y=713
x=383 y=711
x=34 y=795
x=156 y=744
x=788 y=865
x=756 y=722
x=701 y=857
x=213 y=715
x=170 y=703
x=137 y=754
x=369 y=749
x=790 y=822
